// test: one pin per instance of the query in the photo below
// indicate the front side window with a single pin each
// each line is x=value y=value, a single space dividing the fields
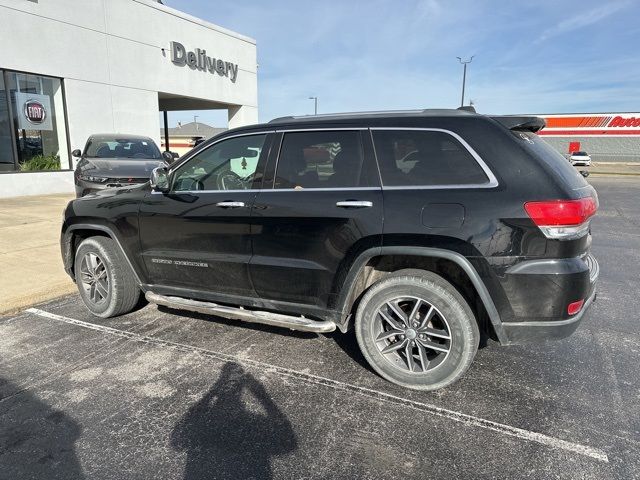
x=327 y=159
x=227 y=165
x=424 y=158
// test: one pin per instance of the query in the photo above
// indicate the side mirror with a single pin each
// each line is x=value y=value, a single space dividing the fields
x=76 y=153
x=159 y=179
x=168 y=157
x=584 y=173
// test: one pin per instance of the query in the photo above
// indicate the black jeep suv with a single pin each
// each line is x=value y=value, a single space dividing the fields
x=427 y=232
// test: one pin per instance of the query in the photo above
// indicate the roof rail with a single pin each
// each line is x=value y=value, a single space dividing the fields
x=294 y=118
x=342 y=114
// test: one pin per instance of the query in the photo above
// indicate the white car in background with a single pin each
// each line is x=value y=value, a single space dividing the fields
x=580 y=158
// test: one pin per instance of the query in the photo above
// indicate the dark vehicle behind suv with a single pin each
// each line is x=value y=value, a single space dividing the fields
x=116 y=160
x=426 y=232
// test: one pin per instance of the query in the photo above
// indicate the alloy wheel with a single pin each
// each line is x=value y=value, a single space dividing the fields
x=412 y=334
x=95 y=278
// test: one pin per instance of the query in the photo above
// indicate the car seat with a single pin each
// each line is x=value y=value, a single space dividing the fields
x=346 y=168
x=103 y=151
x=293 y=172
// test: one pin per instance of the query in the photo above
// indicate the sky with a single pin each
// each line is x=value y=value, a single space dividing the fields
x=560 y=56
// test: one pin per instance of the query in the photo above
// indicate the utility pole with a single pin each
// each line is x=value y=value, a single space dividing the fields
x=464 y=75
x=195 y=120
x=315 y=105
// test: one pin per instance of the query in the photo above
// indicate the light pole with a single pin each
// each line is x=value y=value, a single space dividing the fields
x=464 y=75
x=315 y=104
x=195 y=120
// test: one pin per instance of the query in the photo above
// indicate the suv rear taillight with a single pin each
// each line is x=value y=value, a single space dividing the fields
x=562 y=219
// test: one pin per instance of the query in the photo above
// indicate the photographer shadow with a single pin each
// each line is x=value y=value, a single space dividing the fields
x=233 y=431
x=37 y=441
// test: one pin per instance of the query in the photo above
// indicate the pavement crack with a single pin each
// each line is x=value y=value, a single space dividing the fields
x=625 y=217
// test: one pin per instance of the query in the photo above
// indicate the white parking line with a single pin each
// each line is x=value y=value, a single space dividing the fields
x=552 y=442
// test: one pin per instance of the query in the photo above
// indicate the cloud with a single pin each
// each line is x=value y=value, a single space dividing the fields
x=584 y=19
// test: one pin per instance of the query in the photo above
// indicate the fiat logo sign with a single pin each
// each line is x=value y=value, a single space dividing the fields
x=34 y=111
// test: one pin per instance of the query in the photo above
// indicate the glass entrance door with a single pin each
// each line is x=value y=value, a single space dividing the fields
x=7 y=160
x=39 y=129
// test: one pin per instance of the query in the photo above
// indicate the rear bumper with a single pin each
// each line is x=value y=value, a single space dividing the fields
x=541 y=292
x=534 y=332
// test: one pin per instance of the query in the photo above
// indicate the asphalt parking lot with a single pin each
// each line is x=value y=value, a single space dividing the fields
x=156 y=395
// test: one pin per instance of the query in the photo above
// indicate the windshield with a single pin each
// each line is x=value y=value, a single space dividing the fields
x=111 y=147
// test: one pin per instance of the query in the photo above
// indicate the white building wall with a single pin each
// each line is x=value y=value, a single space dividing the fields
x=89 y=105
x=35 y=183
x=135 y=111
x=124 y=43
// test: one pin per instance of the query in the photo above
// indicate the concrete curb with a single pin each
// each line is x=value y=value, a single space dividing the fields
x=614 y=174
x=16 y=304
x=611 y=168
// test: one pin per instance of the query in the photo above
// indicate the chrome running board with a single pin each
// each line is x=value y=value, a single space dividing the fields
x=292 y=322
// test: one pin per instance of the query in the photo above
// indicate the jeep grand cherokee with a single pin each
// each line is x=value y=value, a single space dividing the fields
x=425 y=232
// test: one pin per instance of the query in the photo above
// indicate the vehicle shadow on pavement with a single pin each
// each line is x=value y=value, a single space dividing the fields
x=234 y=430
x=349 y=345
x=235 y=323
x=37 y=441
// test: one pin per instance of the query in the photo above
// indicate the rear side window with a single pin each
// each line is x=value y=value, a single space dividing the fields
x=321 y=159
x=423 y=157
x=541 y=150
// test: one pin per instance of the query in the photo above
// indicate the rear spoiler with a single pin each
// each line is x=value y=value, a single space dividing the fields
x=521 y=124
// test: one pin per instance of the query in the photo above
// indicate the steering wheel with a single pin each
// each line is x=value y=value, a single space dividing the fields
x=189 y=184
x=230 y=180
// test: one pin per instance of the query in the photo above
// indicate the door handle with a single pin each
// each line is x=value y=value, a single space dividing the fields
x=354 y=204
x=230 y=204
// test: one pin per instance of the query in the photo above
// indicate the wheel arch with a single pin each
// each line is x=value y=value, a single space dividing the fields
x=364 y=272
x=76 y=233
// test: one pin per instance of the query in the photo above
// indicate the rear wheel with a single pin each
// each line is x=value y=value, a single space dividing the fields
x=106 y=284
x=417 y=331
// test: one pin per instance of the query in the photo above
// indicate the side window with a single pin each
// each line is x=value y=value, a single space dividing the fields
x=328 y=159
x=228 y=165
x=415 y=157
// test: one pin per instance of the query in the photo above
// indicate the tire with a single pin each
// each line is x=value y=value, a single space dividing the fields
x=115 y=290
x=436 y=361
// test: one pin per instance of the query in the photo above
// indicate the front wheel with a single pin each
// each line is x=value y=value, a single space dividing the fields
x=105 y=281
x=417 y=331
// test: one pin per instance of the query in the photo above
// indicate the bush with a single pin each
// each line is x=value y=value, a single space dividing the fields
x=41 y=162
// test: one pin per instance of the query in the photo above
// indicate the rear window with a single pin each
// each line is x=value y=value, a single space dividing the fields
x=552 y=158
x=424 y=158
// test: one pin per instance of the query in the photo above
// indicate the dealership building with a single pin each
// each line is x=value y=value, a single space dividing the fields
x=72 y=68
x=607 y=137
